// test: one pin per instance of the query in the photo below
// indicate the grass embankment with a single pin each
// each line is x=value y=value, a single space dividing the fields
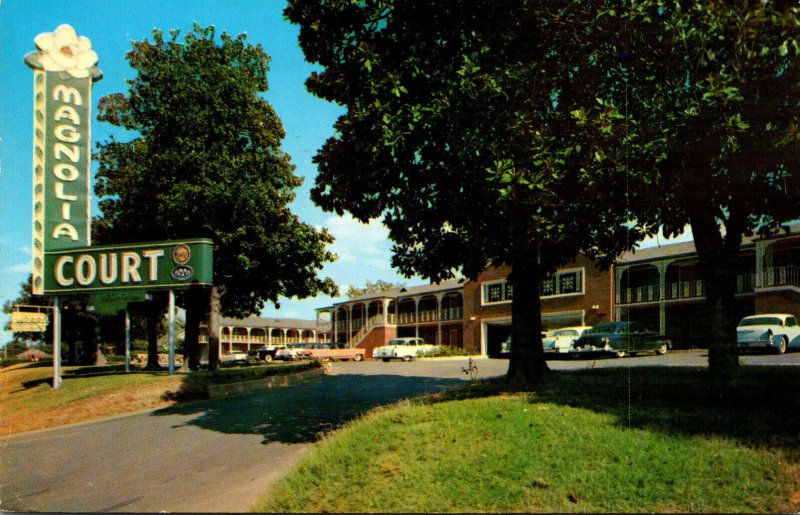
x=638 y=440
x=28 y=401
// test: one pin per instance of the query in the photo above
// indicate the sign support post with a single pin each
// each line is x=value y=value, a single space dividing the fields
x=56 y=342
x=171 y=318
x=127 y=339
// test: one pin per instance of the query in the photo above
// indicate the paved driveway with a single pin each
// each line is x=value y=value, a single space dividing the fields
x=217 y=455
x=220 y=455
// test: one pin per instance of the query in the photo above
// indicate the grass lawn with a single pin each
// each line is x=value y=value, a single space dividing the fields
x=28 y=402
x=621 y=440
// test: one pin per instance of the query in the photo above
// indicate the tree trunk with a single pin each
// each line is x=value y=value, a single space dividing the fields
x=194 y=313
x=718 y=257
x=213 y=329
x=527 y=363
x=153 y=319
x=89 y=341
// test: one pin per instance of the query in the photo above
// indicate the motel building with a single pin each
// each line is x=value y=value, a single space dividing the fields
x=658 y=286
x=253 y=332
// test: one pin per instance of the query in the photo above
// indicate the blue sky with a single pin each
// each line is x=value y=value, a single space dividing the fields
x=364 y=251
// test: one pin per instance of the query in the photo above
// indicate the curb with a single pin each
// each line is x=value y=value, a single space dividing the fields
x=223 y=390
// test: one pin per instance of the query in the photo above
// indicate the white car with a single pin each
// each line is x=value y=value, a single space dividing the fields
x=402 y=348
x=773 y=331
x=235 y=356
x=561 y=340
x=293 y=351
x=505 y=347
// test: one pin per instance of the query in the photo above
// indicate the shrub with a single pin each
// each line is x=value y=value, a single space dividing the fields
x=445 y=351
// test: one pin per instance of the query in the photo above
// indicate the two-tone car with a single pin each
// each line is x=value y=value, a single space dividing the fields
x=562 y=340
x=405 y=349
x=619 y=339
x=293 y=351
x=774 y=332
x=267 y=352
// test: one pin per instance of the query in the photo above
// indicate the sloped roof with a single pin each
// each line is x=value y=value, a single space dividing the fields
x=410 y=291
x=276 y=323
x=688 y=249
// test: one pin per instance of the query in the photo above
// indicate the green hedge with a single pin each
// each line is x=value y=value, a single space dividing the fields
x=443 y=351
x=195 y=384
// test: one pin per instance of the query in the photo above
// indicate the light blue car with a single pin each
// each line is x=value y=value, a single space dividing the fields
x=774 y=332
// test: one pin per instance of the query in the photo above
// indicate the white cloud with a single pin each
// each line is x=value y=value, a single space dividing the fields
x=20 y=268
x=355 y=242
x=25 y=249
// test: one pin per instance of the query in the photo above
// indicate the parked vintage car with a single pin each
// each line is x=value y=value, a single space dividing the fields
x=561 y=340
x=293 y=351
x=330 y=351
x=774 y=331
x=402 y=348
x=619 y=339
x=505 y=348
x=266 y=353
x=235 y=356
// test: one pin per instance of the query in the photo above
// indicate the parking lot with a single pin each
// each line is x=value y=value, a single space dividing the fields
x=453 y=368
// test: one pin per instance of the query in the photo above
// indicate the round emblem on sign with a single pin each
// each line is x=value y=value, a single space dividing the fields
x=182 y=273
x=181 y=254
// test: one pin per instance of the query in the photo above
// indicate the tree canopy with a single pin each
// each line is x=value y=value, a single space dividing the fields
x=204 y=160
x=370 y=287
x=711 y=90
x=459 y=132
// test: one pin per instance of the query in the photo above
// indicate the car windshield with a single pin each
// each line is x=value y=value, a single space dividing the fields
x=401 y=341
x=611 y=327
x=761 y=321
x=566 y=332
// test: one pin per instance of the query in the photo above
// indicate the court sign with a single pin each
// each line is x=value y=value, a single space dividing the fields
x=165 y=265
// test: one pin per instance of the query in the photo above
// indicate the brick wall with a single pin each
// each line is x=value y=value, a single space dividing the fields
x=778 y=302
x=376 y=337
x=597 y=292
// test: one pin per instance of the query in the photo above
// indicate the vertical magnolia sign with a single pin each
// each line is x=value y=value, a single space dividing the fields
x=64 y=68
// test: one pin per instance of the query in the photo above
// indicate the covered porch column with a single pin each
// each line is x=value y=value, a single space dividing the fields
x=618 y=271
x=439 y=297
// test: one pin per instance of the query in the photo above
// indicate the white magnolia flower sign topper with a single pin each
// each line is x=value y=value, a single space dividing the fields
x=64 y=51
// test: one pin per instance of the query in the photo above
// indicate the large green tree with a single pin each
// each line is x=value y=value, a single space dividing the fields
x=371 y=287
x=712 y=89
x=204 y=160
x=459 y=133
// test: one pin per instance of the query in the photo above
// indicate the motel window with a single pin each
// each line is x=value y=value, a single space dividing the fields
x=496 y=292
x=564 y=282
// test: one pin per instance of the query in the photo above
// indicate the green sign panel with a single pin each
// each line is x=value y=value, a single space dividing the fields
x=61 y=165
x=166 y=265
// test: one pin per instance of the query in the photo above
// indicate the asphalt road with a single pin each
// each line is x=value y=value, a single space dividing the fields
x=220 y=455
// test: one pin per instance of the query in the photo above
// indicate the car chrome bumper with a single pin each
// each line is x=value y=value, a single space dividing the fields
x=755 y=344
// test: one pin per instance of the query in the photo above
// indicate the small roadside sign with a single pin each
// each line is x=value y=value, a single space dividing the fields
x=28 y=322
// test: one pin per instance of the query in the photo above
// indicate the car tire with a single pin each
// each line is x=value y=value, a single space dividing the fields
x=268 y=358
x=782 y=346
x=662 y=350
x=386 y=360
x=358 y=357
x=406 y=358
x=619 y=353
